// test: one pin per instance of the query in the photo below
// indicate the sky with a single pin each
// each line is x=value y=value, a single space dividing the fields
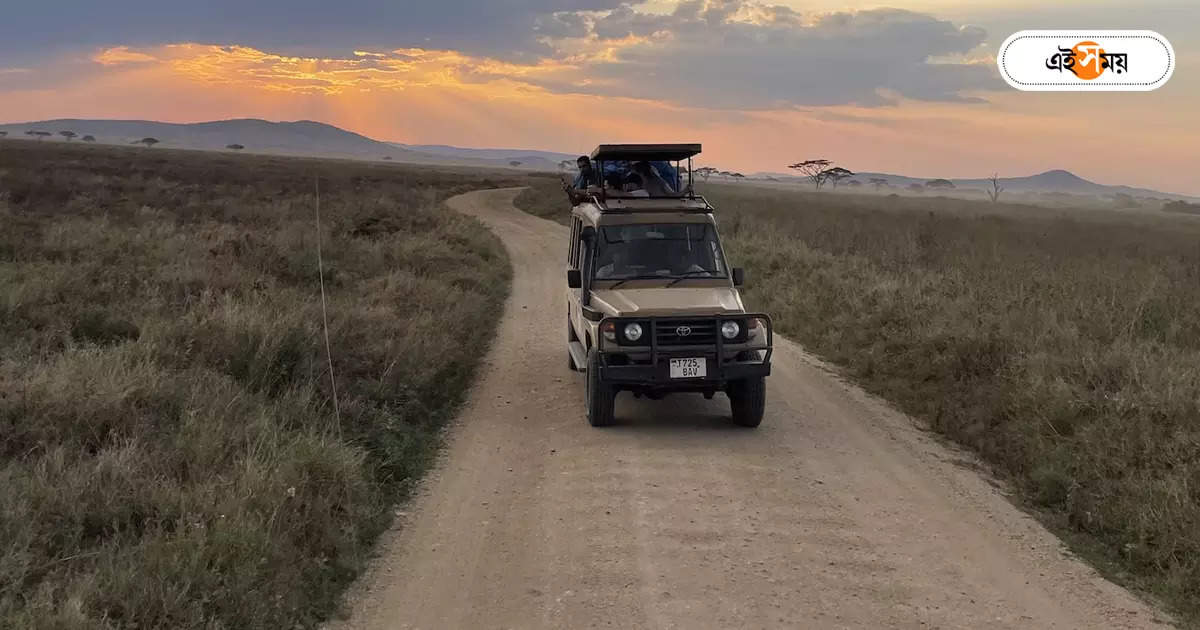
x=908 y=87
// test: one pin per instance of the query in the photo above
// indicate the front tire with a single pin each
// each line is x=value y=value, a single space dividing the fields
x=601 y=397
x=748 y=401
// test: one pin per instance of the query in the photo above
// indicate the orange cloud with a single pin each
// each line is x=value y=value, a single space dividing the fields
x=398 y=70
x=121 y=55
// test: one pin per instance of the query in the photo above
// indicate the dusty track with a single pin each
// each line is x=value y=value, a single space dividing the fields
x=835 y=513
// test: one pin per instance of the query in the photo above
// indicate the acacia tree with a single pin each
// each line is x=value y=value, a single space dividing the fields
x=836 y=175
x=814 y=170
x=994 y=192
x=3 y=134
x=234 y=147
x=88 y=138
x=514 y=163
x=149 y=142
x=878 y=182
x=67 y=134
x=939 y=184
x=705 y=172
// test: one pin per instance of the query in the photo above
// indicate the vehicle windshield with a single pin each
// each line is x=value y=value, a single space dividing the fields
x=675 y=250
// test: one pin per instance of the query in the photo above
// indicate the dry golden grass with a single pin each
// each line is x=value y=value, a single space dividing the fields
x=1060 y=345
x=169 y=455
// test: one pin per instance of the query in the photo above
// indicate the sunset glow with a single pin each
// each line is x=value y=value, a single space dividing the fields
x=599 y=85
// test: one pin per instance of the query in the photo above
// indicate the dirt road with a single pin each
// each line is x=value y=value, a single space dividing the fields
x=835 y=513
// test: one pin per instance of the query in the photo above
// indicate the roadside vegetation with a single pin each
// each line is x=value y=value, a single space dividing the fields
x=1060 y=345
x=170 y=454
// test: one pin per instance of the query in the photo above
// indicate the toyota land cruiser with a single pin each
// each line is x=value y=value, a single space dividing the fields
x=652 y=303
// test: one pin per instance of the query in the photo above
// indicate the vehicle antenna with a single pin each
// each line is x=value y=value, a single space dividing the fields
x=337 y=412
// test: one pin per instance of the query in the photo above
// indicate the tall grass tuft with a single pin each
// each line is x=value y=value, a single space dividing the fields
x=167 y=458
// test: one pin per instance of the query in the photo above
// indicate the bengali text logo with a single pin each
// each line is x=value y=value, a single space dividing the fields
x=1086 y=60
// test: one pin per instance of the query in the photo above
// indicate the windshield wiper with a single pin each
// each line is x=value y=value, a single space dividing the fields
x=641 y=277
x=688 y=274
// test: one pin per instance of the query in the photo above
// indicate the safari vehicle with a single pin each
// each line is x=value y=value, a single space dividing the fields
x=652 y=304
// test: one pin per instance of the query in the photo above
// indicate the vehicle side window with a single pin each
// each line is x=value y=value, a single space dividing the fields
x=573 y=250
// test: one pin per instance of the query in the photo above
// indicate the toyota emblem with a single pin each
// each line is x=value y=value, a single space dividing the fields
x=683 y=331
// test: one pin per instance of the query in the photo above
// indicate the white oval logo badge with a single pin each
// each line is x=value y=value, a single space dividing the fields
x=1086 y=60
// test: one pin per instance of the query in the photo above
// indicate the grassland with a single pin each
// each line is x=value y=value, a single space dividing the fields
x=170 y=456
x=1060 y=345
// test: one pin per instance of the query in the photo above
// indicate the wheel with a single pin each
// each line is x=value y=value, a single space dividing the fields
x=600 y=396
x=747 y=400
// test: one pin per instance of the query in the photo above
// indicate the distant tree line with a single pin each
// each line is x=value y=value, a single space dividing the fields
x=821 y=171
x=708 y=171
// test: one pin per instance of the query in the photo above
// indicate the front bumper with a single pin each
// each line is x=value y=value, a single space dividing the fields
x=648 y=367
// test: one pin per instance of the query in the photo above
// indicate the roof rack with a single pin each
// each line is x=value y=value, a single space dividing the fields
x=685 y=200
x=613 y=204
x=647 y=152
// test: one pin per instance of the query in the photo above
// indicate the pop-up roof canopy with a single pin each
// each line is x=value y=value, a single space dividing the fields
x=647 y=152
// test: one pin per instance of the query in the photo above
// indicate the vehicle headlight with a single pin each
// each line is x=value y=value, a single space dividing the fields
x=633 y=331
x=730 y=329
x=609 y=330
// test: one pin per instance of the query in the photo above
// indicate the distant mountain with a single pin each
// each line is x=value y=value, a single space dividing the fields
x=487 y=154
x=303 y=137
x=527 y=159
x=260 y=136
x=1051 y=181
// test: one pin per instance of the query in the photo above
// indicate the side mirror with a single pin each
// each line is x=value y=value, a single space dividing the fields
x=574 y=279
x=739 y=276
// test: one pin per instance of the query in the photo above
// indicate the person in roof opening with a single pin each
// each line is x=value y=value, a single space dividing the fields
x=667 y=172
x=614 y=180
x=652 y=182
x=635 y=186
x=587 y=176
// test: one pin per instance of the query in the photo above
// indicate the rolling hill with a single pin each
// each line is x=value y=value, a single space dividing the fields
x=539 y=160
x=1054 y=181
x=260 y=136
x=304 y=137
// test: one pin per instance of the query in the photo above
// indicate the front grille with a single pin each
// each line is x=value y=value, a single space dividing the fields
x=700 y=332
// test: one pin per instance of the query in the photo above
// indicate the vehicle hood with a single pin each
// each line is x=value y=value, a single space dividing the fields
x=667 y=301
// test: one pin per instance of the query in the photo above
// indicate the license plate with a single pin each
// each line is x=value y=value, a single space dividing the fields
x=688 y=368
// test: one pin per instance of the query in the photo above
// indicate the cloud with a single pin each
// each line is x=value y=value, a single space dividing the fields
x=714 y=54
x=506 y=29
x=362 y=71
x=742 y=54
x=121 y=55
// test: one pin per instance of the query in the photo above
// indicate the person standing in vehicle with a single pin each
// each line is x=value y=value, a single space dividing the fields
x=587 y=176
x=652 y=182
